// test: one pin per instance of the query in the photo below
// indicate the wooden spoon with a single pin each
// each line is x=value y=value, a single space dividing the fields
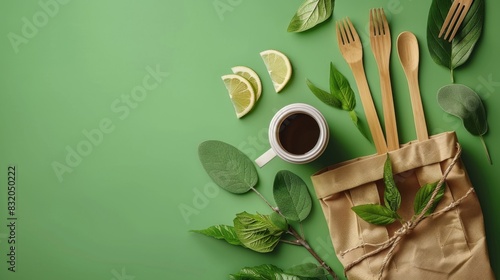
x=409 y=57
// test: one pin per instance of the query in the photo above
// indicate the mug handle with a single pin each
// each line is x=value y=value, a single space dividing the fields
x=265 y=157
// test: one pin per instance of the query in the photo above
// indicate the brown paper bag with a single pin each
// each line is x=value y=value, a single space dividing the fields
x=448 y=245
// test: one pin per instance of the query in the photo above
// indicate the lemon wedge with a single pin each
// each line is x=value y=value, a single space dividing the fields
x=251 y=76
x=279 y=67
x=241 y=93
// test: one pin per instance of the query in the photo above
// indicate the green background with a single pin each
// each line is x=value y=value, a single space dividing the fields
x=124 y=208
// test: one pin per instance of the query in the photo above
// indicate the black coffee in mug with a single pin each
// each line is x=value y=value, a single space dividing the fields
x=299 y=133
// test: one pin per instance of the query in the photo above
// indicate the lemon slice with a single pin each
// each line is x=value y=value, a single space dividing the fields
x=251 y=76
x=279 y=68
x=241 y=93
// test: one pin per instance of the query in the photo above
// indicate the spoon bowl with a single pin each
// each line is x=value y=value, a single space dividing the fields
x=408 y=51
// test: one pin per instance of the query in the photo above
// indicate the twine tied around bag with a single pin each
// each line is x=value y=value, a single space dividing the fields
x=408 y=226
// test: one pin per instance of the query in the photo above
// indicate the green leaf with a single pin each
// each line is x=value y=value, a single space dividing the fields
x=264 y=272
x=464 y=103
x=357 y=123
x=456 y=53
x=257 y=232
x=324 y=96
x=341 y=89
x=269 y=272
x=375 y=214
x=228 y=167
x=279 y=221
x=392 y=197
x=221 y=232
x=310 y=14
x=423 y=197
x=292 y=196
x=308 y=270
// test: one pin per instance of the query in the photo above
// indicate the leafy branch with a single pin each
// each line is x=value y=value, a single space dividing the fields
x=341 y=95
x=233 y=171
x=387 y=214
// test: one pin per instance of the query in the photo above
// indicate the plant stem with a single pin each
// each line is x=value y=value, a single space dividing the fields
x=486 y=149
x=452 y=78
x=306 y=245
x=263 y=198
x=299 y=239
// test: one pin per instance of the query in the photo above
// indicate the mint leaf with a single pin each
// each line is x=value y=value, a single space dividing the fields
x=269 y=272
x=423 y=197
x=310 y=270
x=324 y=96
x=392 y=197
x=264 y=272
x=375 y=214
x=257 y=232
x=221 y=232
x=292 y=196
x=279 y=221
x=228 y=167
x=310 y=14
x=341 y=89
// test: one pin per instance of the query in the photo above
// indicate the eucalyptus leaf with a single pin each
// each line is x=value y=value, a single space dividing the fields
x=375 y=214
x=464 y=103
x=392 y=197
x=221 y=232
x=310 y=14
x=292 y=196
x=228 y=167
x=423 y=197
x=257 y=232
x=456 y=53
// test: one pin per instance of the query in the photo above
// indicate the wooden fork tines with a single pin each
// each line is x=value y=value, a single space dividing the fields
x=380 y=42
x=454 y=18
x=351 y=48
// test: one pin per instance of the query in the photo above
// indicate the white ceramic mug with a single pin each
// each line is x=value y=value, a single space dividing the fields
x=298 y=133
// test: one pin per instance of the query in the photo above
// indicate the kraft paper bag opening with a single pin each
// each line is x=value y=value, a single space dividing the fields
x=450 y=244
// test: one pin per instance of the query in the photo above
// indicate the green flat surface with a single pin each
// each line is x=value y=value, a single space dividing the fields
x=124 y=204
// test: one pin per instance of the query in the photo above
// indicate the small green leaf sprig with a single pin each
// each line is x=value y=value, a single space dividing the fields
x=341 y=96
x=387 y=214
x=233 y=171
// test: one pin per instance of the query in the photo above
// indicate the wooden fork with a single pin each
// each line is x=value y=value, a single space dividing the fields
x=352 y=50
x=380 y=41
x=454 y=19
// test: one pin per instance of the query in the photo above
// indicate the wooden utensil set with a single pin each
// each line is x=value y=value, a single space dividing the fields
x=380 y=41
